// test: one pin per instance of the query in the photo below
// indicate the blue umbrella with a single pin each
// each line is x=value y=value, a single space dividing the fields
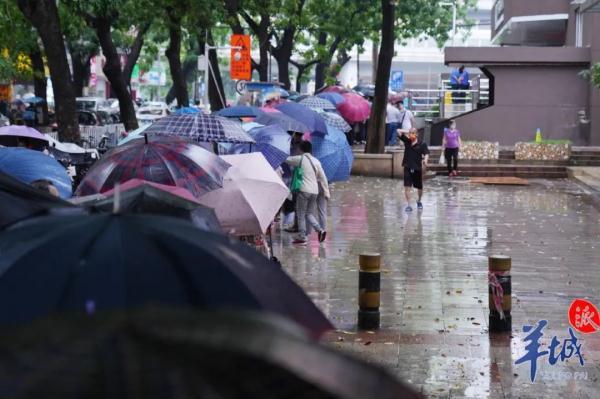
x=335 y=98
x=134 y=134
x=28 y=165
x=334 y=153
x=239 y=111
x=272 y=141
x=310 y=118
x=287 y=123
x=187 y=110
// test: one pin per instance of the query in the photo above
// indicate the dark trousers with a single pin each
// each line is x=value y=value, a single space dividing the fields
x=451 y=155
x=390 y=130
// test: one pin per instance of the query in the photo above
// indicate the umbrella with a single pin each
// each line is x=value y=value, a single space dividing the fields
x=355 y=108
x=251 y=196
x=123 y=261
x=134 y=134
x=160 y=352
x=332 y=97
x=28 y=166
x=20 y=201
x=304 y=115
x=332 y=151
x=271 y=141
x=335 y=89
x=336 y=121
x=187 y=110
x=140 y=196
x=200 y=127
x=285 y=122
x=238 y=111
x=317 y=103
x=166 y=160
x=14 y=135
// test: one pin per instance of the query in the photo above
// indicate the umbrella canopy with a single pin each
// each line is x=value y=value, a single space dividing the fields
x=200 y=127
x=334 y=153
x=336 y=121
x=20 y=201
x=134 y=134
x=160 y=352
x=365 y=90
x=28 y=166
x=123 y=261
x=251 y=196
x=355 y=108
x=332 y=97
x=285 y=122
x=317 y=103
x=15 y=135
x=335 y=89
x=304 y=115
x=187 y=110
x=271 y=141
x=166 y=160
x=140 y=196
x=239 y=111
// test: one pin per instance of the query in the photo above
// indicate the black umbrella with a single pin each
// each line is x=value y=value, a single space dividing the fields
x=112 y=261
x=166 y=353
x=140 y=196
x=20 y=201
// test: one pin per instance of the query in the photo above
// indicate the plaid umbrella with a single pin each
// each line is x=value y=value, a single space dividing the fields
x=334 y=153
x=285 y=122
x=336 y=121
x=272 y=141
x=305 y=115
x=200 y=127
x=166 y=161
x=317 y=103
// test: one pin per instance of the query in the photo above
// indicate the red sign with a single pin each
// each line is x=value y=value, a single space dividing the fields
x=584 y=316
x=241 y=60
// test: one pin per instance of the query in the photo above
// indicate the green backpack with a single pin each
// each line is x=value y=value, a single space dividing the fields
x=297 y=178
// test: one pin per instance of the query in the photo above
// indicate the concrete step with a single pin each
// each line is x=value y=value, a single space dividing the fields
x=499 y=170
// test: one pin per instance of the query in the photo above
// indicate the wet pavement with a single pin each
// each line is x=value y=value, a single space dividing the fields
x=434 y=312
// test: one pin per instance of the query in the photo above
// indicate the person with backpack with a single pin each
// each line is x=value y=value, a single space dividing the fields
x=307 y=181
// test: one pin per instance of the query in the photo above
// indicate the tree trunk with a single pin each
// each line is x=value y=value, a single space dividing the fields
x=374 y=61
x=216 y=91
x=134 y=53
x=376 y=132
x=321 y=66
x=189 y=67
x=263 y=46
x=43 y=15
x=81 y=71
x=173 y=55
x=113 y=72
x=39 y=81
x=283 y=54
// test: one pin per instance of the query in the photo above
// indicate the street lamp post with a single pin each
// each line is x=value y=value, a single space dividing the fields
x=453 y=4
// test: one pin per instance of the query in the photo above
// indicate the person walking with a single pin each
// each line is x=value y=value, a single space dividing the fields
x=392 y=119
x=306 y=198
x=451 y=144
x=416 y=156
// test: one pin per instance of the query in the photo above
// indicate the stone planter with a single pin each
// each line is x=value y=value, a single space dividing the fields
x=543 y=151
x=484 y=150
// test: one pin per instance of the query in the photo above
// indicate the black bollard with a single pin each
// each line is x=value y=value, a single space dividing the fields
x=369 y=288
x=499 y=289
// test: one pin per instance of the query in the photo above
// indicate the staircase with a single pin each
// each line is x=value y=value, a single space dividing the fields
x=585 y=156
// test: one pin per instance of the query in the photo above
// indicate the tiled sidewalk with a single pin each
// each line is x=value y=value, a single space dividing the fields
x=434 y=282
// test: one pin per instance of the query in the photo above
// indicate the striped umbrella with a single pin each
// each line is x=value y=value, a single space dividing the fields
x=317 y=103
x=336 y=121
x=200 y=127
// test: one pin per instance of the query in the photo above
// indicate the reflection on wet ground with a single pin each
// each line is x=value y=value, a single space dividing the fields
x=434 y=282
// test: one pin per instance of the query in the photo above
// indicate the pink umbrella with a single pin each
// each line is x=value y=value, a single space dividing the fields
x=355 y=108
x=268 y=109
x=335 y=89
x=14 y=136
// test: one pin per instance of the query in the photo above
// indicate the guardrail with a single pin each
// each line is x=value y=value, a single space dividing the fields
x=91 y=136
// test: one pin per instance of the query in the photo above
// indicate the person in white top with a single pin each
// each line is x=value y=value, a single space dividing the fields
x=313 y=181
x=406 y=118
x=392 y=119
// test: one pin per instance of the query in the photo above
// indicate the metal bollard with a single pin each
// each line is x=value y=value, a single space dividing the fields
x=369 y=287
x=499 y=289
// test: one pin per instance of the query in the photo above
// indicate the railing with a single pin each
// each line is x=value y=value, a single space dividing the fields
x=92 y=136
x=445 y=102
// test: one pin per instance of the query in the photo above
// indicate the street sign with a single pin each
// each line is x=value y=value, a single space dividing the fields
x=397 y=80
x=5 y=92
x=241 y=60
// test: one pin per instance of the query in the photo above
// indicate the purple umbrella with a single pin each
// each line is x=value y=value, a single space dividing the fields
x=305 y=115
x=333 y=97
x=17 y=136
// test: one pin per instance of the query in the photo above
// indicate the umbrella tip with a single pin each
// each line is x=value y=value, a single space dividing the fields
x=146 y=138
x=117 y=199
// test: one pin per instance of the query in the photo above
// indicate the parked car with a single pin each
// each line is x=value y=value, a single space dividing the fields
x=92 y=103
x=152 y=111
x=94 y=118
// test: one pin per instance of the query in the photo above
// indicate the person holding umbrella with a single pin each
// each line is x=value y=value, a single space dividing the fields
x=313 y=180
x=416 y=155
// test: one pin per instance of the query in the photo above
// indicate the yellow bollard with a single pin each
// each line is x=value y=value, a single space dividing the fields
x=499 y=289
x=369 y=288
